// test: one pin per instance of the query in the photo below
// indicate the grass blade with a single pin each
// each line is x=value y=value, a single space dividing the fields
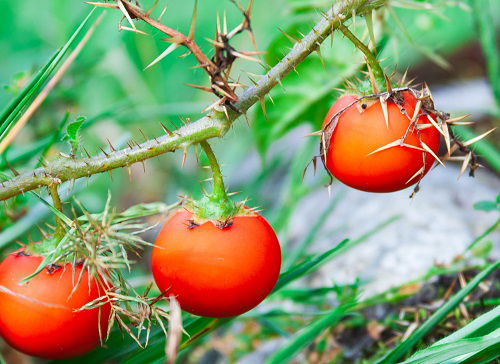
x=305 y=336
x=456 y=351
x=405 y=346
x=307 y=266
x=14 y=108
x=9 y=109
x=482 y=11
x=482 y=325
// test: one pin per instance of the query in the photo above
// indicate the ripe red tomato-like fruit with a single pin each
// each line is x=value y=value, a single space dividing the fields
x=213 y=271
x=38 y=317
x=359 y=132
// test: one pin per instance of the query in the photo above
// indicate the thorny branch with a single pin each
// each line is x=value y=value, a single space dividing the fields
x=213 y=125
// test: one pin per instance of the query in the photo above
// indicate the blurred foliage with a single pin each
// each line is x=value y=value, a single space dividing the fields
x=108 y=86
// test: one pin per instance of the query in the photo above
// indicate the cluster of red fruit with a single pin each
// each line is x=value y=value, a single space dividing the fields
x=215 y=270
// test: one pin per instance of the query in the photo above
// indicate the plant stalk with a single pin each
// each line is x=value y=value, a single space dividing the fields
x=60 y=231
x=219 y=190
x=371 y=60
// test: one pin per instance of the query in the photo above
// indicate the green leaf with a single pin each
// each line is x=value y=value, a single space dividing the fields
x=74 y=128
x=483 y=13
x=482 y=325
x=10 y=114
x=406 y=345
x=455 y=351
x=474 y=339
x=73 y=134
x=487 y=206
x=307 y=266
x=305 y=336
x=26 y=92
x=483 y=235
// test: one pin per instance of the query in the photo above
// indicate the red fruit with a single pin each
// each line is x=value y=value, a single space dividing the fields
x=213 y=271
x=39 y=318
x=360 y=132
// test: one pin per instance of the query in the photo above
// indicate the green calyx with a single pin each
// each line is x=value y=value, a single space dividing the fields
x=214 y=208
x=43 y=248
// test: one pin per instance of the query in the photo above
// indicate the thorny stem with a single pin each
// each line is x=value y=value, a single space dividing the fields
x=187 y=41
x=214 y=125
x=371 y=60
x=174 y=34
x=60 y=232
x=219 y=190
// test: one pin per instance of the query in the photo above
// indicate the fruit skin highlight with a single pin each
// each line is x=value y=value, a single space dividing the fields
x=360 y=131
x=38 y=317
x=216 y=271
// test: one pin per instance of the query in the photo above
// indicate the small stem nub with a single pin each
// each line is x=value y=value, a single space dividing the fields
x=60 y=232
x=371 y=60
x=219 y=190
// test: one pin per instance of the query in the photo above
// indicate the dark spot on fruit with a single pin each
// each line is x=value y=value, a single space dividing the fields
x=51 y=268
x=192 y=224
x=22 y=253
x=364 y=106
x=225 y=224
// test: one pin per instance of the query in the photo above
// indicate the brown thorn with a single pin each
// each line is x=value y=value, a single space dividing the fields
x=263 y=106
x=224 y=108
x=151 y=9
x=111 y=145
x=396 y=143
x=166 y=130
x=13 y=170
x=388 y=84
x=125 y=13
x=418 y=107
x=165 y=53
x=162 y=14
x=102 y=150
x=383 y=103
x=412 y=147
x=102 y=5
x=318 y=51
x=459 y=118
x=428 y=149
x=288 y=36
x=121 y=27
x=184 y=156
x=478 y=138
x=443 y=130
x=316 y=133
x=465 y=164
x=143 y=135
x=190 y=36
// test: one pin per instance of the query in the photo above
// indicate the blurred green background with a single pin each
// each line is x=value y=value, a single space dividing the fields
x=107 y=84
